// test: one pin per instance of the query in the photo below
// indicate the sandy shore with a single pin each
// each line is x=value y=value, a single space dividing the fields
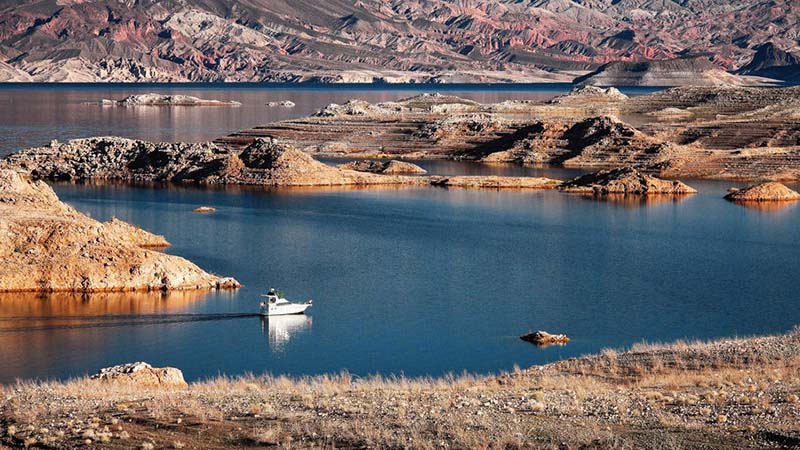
x=739 y=393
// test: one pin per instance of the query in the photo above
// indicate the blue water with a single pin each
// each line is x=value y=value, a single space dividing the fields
x=32 y=114
x=416 y=281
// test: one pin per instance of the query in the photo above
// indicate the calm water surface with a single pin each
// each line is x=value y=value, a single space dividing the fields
x=413 y=281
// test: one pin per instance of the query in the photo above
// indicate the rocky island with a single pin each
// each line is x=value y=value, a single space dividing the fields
x=48 y=246
x=764 y=192
x=625 y=181
x=165 y=100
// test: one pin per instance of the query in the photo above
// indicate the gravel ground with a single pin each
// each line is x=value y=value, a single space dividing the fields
x=740 y=393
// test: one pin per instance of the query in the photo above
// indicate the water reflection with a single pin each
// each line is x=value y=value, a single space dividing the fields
x=32 y=117
x=281 y=329
x=767 y=206
x=63 y=304
x=636 y=201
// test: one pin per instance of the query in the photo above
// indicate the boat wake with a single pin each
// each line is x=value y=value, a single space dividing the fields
x=26 y=324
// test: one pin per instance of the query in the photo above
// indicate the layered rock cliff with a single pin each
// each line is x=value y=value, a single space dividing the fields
x=372 y=41
x=692 y=71
x=46 y=245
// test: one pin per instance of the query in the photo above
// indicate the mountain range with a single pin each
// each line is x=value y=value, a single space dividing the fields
x=378 y=41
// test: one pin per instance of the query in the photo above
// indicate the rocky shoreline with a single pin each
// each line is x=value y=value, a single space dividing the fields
x=740 y=393
x=49 y=247
x=272 y=163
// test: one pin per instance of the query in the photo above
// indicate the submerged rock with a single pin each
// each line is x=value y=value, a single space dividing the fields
x=624 y=180
x=143 y=375
x=764 y=192
x=152 y=99
x=385 y=167
x=543 y=338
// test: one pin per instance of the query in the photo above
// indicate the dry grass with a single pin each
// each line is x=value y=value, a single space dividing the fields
x=698 y=394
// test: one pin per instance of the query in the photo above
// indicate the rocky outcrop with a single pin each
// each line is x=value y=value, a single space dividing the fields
x=543 y=338
x=166 y=100
x=764 y=192
x=581 y=95
x=141 y=374
x=125 y=232
x=603 y=141
x=686 y=132
x=624 y=181
x=49 y=246
x=690 y=71
x=391 y=167
x=263 y=162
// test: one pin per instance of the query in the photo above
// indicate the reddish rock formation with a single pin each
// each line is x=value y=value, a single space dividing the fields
x=48 y=246
x=368 y=41
x=764 y=192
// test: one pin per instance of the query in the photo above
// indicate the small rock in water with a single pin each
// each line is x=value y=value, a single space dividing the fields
x=283 y=103
x=543 y=338
x=204 y=209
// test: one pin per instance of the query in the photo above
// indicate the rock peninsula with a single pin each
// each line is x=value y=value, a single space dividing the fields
x=48 y=246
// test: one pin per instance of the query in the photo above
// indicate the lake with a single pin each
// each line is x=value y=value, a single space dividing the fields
x=413 y=281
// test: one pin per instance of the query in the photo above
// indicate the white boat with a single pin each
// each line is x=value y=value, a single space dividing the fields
x=275 y=305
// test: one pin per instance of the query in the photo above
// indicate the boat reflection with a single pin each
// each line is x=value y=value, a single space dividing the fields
x=281 y=329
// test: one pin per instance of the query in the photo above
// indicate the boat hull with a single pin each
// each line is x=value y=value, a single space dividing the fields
x=285 y=310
